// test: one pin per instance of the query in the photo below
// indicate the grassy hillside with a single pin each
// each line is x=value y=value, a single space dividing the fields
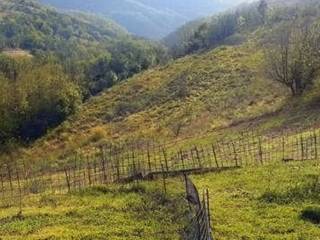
x=194 y=95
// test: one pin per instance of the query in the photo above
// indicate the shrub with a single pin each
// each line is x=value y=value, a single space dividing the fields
x=98 y=133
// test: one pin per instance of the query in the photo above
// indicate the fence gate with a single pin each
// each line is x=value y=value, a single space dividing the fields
x=201 y=223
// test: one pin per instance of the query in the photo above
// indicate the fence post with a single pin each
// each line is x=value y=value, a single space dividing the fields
x=182 y=159
x=165 y=159
x=235 y=154
x=283 y=148
x=164 y=180
x=2 y=183
x=149 y=160
x=198 y=156
x=89 y=171
x=19 y=187
x=10 y=177
x=103 y=165
x=260 y=151
x=215 y=155
x=302 y=147
x=67 y=179
x=315 y=146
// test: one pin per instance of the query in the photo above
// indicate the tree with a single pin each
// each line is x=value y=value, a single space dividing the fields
x=263 y=9
x=293 y=57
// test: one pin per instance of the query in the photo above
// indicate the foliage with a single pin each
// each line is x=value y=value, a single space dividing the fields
x=74 y=56
x=214 y=31
x=76 y=40
x=35 y=97
x=293 y=57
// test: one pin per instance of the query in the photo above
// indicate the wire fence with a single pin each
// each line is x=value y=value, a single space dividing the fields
x=125 y=163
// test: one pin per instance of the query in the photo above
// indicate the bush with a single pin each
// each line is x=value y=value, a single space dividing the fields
x=98 y=133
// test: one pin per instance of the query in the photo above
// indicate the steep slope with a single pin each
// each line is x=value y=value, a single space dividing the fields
x=194 y=95
x=148 y=18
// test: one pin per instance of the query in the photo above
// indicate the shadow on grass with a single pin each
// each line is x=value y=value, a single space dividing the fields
x=311 y=214
x=99 y=190
x=307 y=189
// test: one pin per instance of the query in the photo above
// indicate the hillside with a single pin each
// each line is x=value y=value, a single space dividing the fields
x=234 y=26
x=222 y=91
x=30 y=26
x=195 y=95
x=78 y=53
x=152 y=19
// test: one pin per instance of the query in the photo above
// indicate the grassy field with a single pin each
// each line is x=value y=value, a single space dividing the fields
x=274 y=202
x=271 y=202
x=111 y=212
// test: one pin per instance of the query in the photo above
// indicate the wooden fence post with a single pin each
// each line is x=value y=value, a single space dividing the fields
x=315 y=146
x=283 y=148
x=260 y=151
x=149 y=160
x=103 y=166
x=208 y=208
x=10 y=177
x=67 y=179
x=215 y=155
x=19 y=187
x=198 y=156
x=165 y=159
x=235 y=154
x=302 y=147
x=182 y=159
x=89 y=171
x=2 y=183
x=164 y=180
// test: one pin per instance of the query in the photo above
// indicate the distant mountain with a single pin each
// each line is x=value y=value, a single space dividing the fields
x=148 y=18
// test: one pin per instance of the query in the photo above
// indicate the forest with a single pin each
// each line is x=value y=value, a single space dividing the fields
x=70 y=58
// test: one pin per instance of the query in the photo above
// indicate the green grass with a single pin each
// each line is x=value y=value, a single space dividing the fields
x=112 y=212
x=271 y=202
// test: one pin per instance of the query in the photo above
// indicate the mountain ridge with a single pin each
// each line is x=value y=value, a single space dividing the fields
x=148 y=18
